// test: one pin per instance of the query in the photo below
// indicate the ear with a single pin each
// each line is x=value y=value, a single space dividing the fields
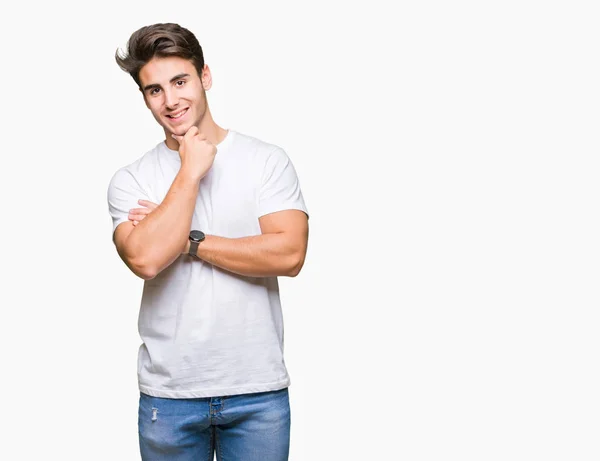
x=206 y=78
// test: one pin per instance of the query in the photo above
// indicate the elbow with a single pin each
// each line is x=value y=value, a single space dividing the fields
x=296 y=266
x=147 y=275
x=139 y=262
x=147 y=272
x=143 y=270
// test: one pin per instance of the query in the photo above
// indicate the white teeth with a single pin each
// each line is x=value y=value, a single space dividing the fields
x=179 y=114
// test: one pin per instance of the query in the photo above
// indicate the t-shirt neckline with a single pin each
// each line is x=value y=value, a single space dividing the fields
x=223 y=144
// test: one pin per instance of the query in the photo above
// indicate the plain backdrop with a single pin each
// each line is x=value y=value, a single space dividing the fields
x=448 y=153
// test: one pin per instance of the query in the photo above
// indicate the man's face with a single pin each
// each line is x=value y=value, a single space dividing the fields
x=174 y=93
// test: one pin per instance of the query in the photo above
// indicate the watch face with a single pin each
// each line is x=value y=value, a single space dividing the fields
x=196 y=236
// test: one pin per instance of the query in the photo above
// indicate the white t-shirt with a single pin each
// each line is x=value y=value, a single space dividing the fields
x=208 y=332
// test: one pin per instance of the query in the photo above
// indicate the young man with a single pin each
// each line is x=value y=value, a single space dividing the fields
x=208 y=218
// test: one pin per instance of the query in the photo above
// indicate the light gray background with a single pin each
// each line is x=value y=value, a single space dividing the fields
x=448 y=153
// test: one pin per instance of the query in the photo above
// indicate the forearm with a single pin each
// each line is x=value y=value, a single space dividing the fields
x=159 y=238
x=266 y=255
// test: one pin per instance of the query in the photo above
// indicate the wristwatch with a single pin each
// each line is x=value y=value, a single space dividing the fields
x=196 y=237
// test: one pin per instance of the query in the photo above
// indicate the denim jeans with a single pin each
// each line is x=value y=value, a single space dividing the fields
x=247 y=427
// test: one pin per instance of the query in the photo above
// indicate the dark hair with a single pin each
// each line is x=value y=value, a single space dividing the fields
x=160 y=40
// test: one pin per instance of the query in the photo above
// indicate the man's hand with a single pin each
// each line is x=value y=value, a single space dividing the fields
x=196 y=151
x=137 y=214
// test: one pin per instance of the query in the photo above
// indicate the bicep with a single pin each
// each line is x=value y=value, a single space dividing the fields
x=293 y=223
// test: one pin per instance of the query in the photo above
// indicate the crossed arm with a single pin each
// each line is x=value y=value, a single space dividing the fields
x=279 y=250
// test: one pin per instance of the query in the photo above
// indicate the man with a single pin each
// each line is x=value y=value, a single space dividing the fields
x=208 y=218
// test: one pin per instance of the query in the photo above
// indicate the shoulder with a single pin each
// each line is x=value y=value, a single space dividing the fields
x=137 y=170
x=271 y=160
x=257 y=148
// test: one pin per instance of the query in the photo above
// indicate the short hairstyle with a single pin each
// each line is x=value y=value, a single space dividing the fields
x=159 y=40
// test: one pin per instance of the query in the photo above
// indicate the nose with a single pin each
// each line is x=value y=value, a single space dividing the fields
x=171 y=99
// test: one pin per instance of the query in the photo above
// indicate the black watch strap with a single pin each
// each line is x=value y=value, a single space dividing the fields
x=193 y=249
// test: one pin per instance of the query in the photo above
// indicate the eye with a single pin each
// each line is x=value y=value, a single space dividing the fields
x=153 y=91
x=180 y=82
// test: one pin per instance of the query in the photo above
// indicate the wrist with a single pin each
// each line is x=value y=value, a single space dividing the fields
x=186 y=248
x=189 y=174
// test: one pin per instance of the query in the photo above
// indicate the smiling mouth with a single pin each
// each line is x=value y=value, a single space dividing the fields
x=178 y=115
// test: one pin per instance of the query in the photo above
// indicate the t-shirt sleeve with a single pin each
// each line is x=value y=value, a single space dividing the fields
x=123 y=194
x=280 y=187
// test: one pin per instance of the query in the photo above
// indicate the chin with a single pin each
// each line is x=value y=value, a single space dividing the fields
x=179 y=131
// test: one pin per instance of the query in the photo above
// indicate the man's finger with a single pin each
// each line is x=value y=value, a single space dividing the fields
x=140 y=211
x=193 y=131
x=136 y=217
x=148 y=203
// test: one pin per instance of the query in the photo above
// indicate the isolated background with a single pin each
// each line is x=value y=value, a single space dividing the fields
x=448 y=154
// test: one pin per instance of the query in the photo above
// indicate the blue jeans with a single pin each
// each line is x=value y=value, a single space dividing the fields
x=247 y=427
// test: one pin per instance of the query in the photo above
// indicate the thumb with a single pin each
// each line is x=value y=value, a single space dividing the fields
x=177 y=138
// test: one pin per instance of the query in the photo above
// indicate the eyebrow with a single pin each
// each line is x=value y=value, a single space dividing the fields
x=156 y=85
